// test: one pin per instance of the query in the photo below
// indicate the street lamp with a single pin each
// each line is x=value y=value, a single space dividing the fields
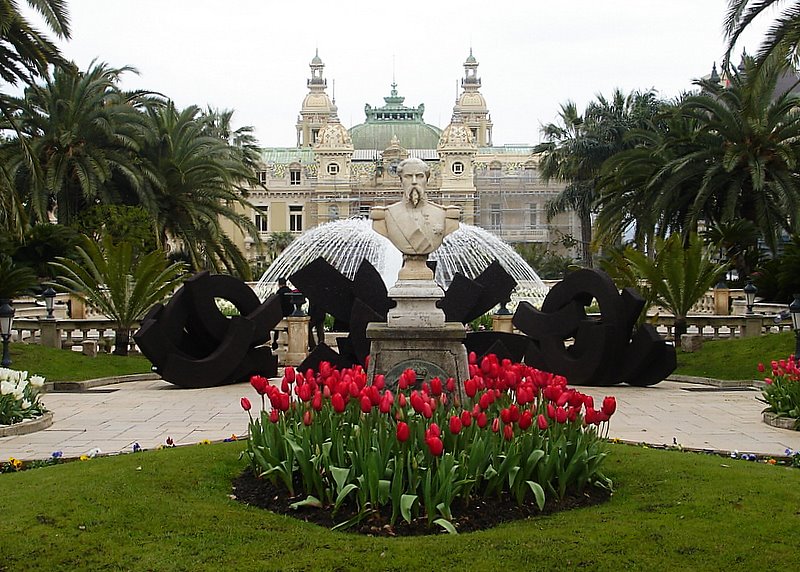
x=49 y=296
x=6 y=319
x=750 y=291
x=794 y=310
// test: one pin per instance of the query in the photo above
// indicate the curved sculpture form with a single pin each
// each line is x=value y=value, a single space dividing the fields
x=604 y=351
x=192 y=344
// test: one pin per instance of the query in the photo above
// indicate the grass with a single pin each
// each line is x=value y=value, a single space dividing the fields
x=737 y=358
x=63 y=365
x=170 y=510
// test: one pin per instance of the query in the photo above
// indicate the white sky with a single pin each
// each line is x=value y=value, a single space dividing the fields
x=253 y=56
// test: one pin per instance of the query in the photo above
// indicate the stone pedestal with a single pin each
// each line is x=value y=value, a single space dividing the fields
x=416 y=305
x=502 y=323
x=297 y=334
x=752 y=326
x=430 y=351
x=50 y=334
x=722 y=298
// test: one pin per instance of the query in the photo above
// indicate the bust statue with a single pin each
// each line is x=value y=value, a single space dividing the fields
x=415 y=225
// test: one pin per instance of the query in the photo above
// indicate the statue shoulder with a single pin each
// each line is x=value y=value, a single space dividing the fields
x=377 y=213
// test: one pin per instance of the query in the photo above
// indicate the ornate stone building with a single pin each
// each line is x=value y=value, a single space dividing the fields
x=334 y=172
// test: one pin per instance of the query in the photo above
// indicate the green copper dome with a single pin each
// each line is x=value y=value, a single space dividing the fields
x=394 y=119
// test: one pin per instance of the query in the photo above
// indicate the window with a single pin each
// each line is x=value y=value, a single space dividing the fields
x=261 y=222
x=530 y=174
x=295 y=218
x=458 y=168
x=262 y=177
x=363 y=211
x=533 y=211
x=314 y=135
x=474 y=134
x=294 y=176
x=333 y=168
x=495 y=217
x=494 y=173
x=333 y=212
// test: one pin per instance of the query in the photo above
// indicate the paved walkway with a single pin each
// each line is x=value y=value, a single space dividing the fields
x=114 y=417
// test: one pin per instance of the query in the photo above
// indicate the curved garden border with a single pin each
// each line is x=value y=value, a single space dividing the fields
x=28 y=425
x=774 y=420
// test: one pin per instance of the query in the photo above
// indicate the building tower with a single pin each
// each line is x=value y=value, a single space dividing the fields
x=471 y=106
x=457 y=152
x=317 y=107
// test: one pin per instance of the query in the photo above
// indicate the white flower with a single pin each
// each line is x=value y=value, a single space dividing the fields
x=93 y=452
x=37 y=381
x=6 y=387
x=26 y=404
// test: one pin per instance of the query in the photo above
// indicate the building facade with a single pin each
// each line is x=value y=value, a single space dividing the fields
x=334 y=172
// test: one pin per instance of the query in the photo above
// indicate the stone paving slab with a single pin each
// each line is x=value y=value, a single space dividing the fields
x=112 y=418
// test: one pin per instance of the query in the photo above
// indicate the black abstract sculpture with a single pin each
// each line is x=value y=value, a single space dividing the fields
x=352 y=303
x=604 y=350
x=192 y=344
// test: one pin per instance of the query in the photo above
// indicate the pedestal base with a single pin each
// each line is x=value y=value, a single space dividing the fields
x=416 y=305
x=430 y=351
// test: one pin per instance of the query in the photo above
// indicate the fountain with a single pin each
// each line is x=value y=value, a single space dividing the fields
x=345 y=243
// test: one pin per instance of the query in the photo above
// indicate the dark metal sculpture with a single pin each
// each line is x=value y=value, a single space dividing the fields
x=192 y=344
x=594 y=351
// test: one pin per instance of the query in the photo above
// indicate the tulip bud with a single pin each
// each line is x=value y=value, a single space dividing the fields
x=403 y=432
x=455 y=424
x=245 y=404
x=541 y=421
x=609 y=405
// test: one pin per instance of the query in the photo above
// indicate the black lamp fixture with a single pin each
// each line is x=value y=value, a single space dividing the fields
x=750 y=292
x=794 y=311
x=49 y=296
x=503 y=311
x=6 y=319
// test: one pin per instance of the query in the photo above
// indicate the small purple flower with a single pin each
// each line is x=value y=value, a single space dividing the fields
x=136 y=447
x=57 y=454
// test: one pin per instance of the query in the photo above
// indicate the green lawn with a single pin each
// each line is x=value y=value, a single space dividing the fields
x=170 y=510
x=737 y=358
x=63 y=365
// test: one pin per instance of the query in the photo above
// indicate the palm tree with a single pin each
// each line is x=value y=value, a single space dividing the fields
x=118 y=284
x=83 y=132
x=676 y=278
x=783 y=38
x=200 y=185
x=577 y=147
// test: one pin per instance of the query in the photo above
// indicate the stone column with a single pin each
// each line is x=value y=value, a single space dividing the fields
x=50 y=334
x=752 y=326
x=297 y=334
x=502 y=323
x=722 y=298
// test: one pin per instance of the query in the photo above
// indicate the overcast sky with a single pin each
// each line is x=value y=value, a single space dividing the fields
x=252 y=56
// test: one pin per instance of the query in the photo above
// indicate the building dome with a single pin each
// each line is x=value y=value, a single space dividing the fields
x=456 y=136
x=394 y=120
x=334 y=136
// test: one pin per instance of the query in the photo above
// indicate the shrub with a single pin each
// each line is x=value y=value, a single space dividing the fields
x=519 y=431
x=782 y=392
x=19 y=396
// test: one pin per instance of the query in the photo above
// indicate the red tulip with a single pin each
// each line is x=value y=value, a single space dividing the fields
x=246 y=405
x=274 y=415
x=288 y=374
x=551 y=411
x=427 y=412
x=308 y=418
x=505 y=415
x=525 y=420
x=761 y=367
x=588 y=402
x=466 y=418
x=451 y=384
x=366 y=404
x=482 y=420
x=433 y=431
x=471 y=387
x=316 y=401
x=379 y=381
x=472 y=358
x=508 y=432
x=609 y=405
x=455 y=424
x=403 y=432
x=435 y=446
x=259 y=383
x=542 y=422
x=338 y=403
x=496 y=424
x=436 y=386
x=561 y=415
x=401 y=400
x=513 y=413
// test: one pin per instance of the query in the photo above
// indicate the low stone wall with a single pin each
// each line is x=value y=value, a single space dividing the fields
x=27 y=426
x=774 y=420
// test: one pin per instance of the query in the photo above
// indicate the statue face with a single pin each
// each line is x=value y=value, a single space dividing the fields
x=414 y=181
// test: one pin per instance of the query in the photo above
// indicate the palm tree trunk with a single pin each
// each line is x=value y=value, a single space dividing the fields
x=121 y=339
x=681 y=326
x=586 y=240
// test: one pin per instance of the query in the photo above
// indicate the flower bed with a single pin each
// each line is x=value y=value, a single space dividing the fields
x=337 y=440
x=19 y=396
x=782 y=393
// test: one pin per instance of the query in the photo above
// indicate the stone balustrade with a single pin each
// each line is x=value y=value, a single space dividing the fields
x=65 y=333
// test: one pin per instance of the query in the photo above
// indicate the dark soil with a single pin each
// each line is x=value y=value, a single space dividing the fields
x=481 y=513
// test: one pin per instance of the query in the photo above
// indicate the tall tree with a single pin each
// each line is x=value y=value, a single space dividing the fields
x=782 y=42
x=82 y=131
x=200 y=185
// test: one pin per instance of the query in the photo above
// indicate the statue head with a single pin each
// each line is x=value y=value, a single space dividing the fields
x=414 y=174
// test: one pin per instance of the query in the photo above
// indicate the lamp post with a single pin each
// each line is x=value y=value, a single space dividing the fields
x=49 y=296
x=750 y=291
x=6 y=319
x=794 y=310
